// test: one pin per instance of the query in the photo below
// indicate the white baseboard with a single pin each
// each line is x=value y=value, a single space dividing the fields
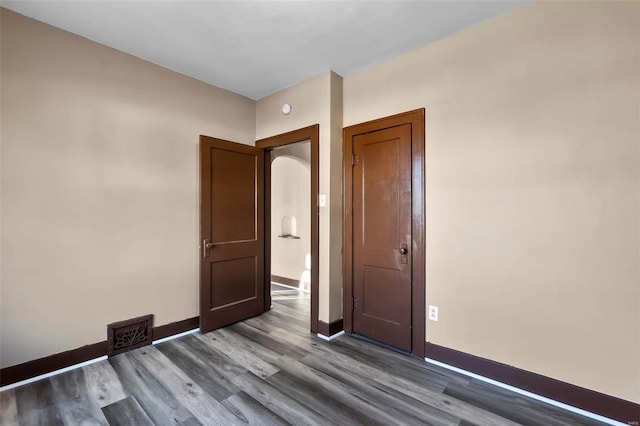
x=330 y=338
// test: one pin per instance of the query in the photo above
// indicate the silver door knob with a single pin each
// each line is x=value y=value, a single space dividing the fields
x=403 y=250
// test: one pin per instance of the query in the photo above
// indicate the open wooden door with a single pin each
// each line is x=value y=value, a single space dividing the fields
x=231 y=232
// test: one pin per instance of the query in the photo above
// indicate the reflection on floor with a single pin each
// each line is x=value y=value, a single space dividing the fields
x=285 y=292
x=269 y=370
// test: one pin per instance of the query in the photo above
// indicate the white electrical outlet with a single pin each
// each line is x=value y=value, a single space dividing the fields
x=322 y=200
x=433 y=313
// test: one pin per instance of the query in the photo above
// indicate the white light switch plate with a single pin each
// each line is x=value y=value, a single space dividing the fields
x=433 y=313
x=322 y=200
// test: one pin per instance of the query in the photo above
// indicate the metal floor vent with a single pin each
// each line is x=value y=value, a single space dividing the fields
x=123 y=336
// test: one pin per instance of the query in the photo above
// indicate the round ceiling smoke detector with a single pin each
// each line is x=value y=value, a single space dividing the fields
x=286 y=109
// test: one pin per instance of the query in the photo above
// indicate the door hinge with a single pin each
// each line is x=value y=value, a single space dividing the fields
x=353 y=160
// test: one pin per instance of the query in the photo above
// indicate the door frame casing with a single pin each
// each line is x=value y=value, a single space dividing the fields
x=416 y=119
x=312 y=134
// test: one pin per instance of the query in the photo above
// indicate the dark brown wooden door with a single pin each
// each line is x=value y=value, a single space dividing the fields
x=382 y=235
x=231 y=232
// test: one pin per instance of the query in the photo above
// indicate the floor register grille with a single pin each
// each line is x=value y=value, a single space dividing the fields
x=123 y=336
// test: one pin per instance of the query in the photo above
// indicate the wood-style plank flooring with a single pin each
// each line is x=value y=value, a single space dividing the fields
x=270 y=371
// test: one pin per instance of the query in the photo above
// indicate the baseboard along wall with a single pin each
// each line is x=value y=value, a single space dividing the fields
x=286 y=281
x=328 y=329
x=626 y=412
x=40 y=366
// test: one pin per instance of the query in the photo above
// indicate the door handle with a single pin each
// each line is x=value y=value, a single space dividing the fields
x=404 y=250
x=206 y=246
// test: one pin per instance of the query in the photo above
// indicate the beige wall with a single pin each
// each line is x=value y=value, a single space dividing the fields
x=335 y=203
x=532 y=194
x=312 y=102
x=291 y=197
x=99 y=187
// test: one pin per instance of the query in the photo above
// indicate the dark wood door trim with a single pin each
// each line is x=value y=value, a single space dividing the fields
x=416 y=119
x=311 y=133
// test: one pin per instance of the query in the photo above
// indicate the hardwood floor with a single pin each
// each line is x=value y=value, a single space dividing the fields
x=270 y=371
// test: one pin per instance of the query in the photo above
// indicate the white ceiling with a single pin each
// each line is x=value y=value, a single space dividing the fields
x=256 y=48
